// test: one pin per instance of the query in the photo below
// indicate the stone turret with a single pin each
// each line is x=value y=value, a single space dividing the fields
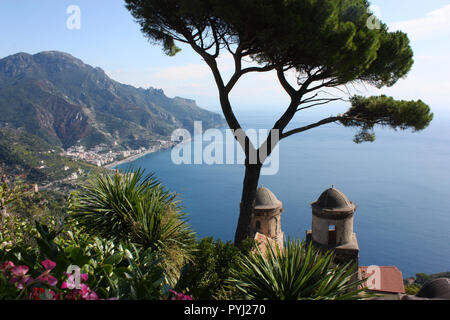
x=266 y=219
x=332 y=225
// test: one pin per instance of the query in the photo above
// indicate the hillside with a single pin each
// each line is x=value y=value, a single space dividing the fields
x=67 y=103
x=38 y=162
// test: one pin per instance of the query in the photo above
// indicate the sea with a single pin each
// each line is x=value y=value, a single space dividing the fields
x=400 y=184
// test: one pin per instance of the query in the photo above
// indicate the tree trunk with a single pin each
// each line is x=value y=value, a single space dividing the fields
x=252 y=173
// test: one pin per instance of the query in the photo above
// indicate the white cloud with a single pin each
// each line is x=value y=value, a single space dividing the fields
x=428 y=81
x=435 y=23
x=182 y=73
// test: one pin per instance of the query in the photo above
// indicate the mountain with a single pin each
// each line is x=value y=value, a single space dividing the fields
x=67 y=102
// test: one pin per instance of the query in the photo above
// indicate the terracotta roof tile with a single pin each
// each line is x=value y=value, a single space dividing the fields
x=391 y=280
x=262 y=240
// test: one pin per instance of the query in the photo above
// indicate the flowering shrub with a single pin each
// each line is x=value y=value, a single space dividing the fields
x=43 y=287
x=179 y=296
x=37 y=251
x=81 y=293
x=46 y=277
x=108 y=270
x=43 y=294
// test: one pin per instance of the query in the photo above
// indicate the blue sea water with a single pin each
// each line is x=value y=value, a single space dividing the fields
x=401 y=184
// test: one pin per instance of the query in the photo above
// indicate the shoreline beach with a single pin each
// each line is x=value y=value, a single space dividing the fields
x=132 y=158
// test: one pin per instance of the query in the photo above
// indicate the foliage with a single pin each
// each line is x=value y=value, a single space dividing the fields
x=22 y=207
x=17 y=283
x=34 y=160
x=212 y=262
x=412 y=289
x=303 y=35
x=299 y=271
x=136 y=208
x=422 y=278
x=8 y=195
x=367 y=112
x=414 y=285
x=144 y=277
x=112 y=269
x=119 y=271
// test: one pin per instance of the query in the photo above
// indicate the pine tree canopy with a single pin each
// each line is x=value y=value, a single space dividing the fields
x=329 y=43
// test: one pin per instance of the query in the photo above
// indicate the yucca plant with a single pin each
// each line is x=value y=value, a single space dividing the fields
x=299 y=271
x=136 y=208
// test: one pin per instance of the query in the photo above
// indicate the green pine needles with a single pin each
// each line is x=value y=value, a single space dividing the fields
x=385 y=111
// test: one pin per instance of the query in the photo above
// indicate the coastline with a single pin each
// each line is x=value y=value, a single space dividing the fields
x=132 y=158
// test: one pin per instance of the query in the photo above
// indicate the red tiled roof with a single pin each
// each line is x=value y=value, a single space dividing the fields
x=262 y=241
x=390 y=280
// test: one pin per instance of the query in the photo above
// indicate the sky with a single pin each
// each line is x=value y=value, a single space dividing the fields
x=109 y=38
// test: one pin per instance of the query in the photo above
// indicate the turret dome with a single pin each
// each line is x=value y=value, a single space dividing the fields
x=333 y=199
x=333 y=203
x=265 y=199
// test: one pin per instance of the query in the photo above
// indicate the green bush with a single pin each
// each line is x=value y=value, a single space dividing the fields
x=205 y=277
x=412 y=289
x=135 y=208
x=120 y=271
x=299 y=271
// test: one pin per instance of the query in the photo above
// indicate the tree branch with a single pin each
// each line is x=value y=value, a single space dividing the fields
x=323 y=101
x=311 y=126
x=324 y=122
x=284 y=83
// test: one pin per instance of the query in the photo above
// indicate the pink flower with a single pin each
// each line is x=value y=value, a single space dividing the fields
x=5 y=267
x=83 y=292
x=70 y=284
x=180 y=296
x=87 y=293
x=19 y=271
x=20 y=277
x=48 y=264
x=71 y=281
x=46 y=276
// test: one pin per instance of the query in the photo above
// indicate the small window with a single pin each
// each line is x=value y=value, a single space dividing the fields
x=332 y=235
x=258 y=225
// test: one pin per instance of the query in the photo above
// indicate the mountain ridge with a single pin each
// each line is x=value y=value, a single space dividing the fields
x=67 y=102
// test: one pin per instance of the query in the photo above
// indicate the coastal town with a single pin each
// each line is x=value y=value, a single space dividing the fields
x=102 y=156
